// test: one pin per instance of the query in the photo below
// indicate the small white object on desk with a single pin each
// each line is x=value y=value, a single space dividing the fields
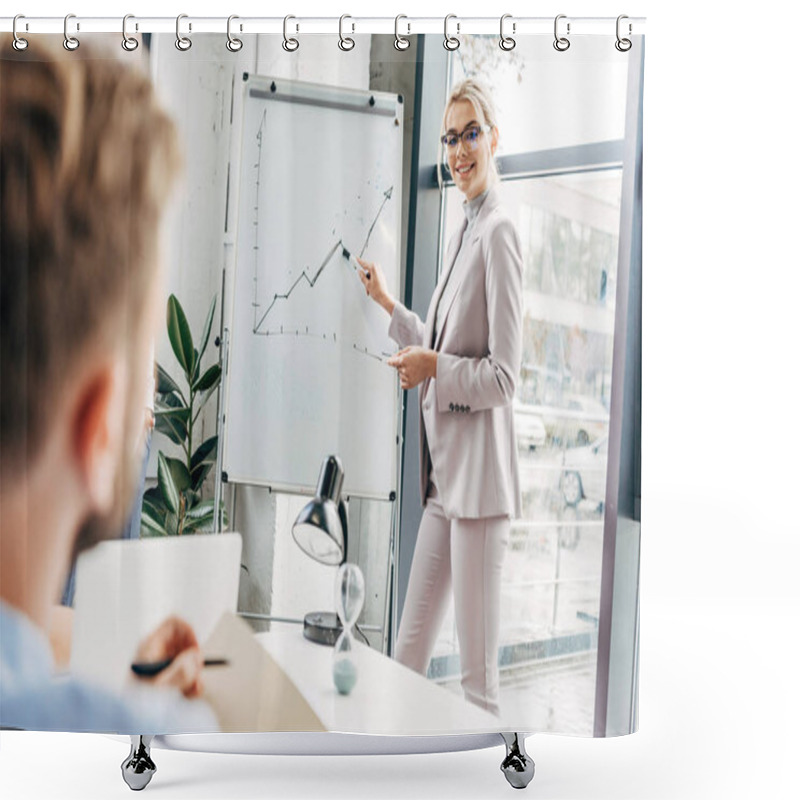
x=389 y=698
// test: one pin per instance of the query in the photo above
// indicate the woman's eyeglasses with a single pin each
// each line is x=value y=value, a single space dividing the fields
x=469 y=136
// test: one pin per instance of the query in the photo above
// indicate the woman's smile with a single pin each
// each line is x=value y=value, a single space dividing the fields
x=470 y=159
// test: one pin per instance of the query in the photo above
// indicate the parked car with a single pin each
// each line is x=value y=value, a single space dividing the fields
x=584 y=473
x=530 y=428
x=588 y=419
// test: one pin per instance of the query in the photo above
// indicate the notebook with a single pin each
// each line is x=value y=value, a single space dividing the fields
x=126 y=588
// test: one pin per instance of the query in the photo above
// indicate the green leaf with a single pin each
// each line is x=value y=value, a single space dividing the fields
x=169 y=401
x=151 y=526
x=179 y=473
x=172 y=422
x=196 y=369
x=209 y=379
x=180 y=336
x=192 y=498
x=173 y=414
x=207 y=327
x=153 y=494
x=170 y=430
x=166 y=483
x=201 y=510
x=154 y=505
x=206 y=452
x=200 y=474
x=200 y=518
x=165 y=384
x=171 y=524
x=203 y=461
x=199 y=404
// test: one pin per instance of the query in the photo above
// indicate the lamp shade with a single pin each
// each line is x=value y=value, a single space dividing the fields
x=319 y=529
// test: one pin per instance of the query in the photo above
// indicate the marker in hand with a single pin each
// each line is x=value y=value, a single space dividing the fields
x=148 y=669
x=346 y=253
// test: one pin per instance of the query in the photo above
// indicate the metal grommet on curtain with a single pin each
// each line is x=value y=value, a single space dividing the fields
x=233 y=44
x=289 y=44
x=561 y=43
x=19 y=43
x=400 y=42
x=129 y=43
x=70 y=42
x=451 y=42
x=345 y=42
x=507 y=42
x=183 y=43
x=623 y=45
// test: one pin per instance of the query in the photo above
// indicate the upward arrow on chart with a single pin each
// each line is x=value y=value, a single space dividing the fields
x=304 y=275
x=386 y=196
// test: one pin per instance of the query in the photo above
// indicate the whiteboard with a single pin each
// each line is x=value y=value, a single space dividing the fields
x=320 y=176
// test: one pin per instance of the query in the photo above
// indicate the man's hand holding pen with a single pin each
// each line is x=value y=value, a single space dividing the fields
x=174 y=640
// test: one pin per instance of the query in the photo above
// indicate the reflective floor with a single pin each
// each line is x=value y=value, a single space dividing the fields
x=554 y=696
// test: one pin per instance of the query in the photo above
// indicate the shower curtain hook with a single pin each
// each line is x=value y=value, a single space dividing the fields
x=183 y=43
x=400 y=42
x=70 y=42
x=289 y=44
x=507 y=42
x=561 y=43
x=451 y=42
x=623 y=45
x=129 y=43
x=19 y=43
x=233 y=44
x=345 y=42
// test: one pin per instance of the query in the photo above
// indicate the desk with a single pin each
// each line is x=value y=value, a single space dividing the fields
x=388 y=698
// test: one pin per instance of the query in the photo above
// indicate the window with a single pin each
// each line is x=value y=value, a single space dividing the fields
x=560 y=165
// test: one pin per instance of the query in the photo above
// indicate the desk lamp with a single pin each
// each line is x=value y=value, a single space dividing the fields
x=320 y=531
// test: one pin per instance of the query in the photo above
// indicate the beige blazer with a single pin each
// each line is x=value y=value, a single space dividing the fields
x=468 y=422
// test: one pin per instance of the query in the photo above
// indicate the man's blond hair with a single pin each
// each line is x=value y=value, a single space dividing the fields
x=87 y=158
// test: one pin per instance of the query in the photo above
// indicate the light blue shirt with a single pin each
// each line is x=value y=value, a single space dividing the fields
x=33 y=697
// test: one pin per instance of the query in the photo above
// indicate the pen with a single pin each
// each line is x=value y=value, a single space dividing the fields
x=346 y=253
x=150 y=668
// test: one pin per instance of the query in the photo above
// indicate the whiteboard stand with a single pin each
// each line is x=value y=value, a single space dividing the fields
x=220 y=423
x=389 y=628
x=304 y=348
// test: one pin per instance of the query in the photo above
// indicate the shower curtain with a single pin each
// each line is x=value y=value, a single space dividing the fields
x=397 y=327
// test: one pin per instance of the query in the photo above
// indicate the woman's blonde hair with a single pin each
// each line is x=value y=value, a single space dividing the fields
x=479 y=95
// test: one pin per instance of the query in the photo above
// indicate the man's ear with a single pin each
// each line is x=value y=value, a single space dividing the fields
x=98 y=427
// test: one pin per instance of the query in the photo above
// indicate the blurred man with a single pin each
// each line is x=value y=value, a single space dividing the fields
x=87 y=159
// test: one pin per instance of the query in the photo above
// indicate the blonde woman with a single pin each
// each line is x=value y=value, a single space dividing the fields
x=465 y=357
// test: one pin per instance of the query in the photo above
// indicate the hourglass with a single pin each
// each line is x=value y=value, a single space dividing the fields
x=349 y=602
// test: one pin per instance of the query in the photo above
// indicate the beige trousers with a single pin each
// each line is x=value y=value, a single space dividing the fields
x=467 y=555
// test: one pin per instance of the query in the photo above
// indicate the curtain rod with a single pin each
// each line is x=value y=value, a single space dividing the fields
x=349 y=25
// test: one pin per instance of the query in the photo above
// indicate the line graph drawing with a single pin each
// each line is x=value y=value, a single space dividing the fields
x=303 y=275
x=308 y=277
x=317 y=182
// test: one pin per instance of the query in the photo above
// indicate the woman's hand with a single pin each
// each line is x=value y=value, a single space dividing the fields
x=414 y=364
x=375 y=284
x=174 y=639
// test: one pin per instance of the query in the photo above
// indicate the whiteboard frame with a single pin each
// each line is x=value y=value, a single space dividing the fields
x=340 y=98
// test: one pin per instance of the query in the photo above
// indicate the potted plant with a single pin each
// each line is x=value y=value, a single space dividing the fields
x=175 y=506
